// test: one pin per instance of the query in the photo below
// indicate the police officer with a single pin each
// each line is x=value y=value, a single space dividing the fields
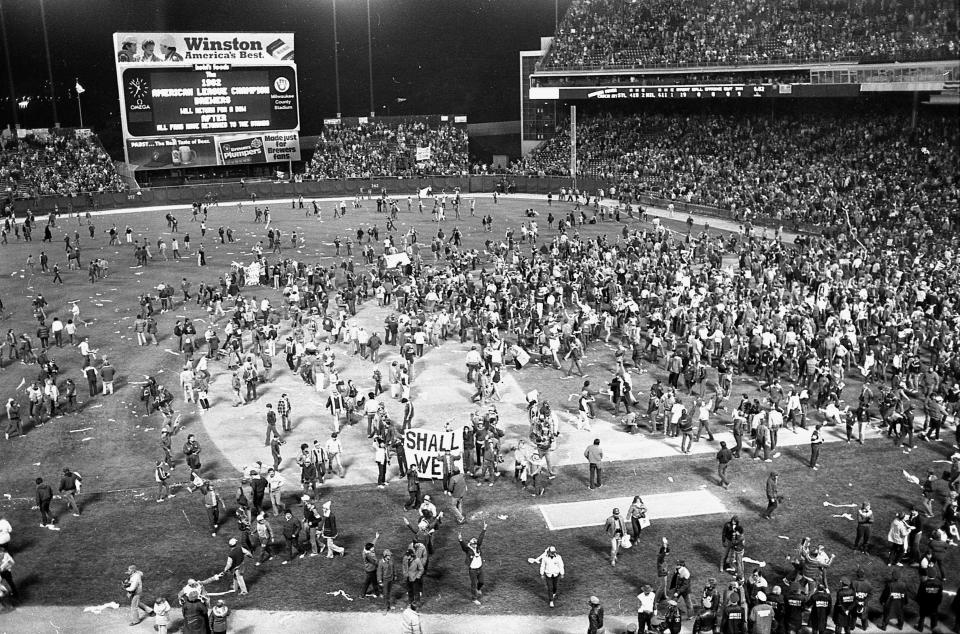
x=844 y=608
x=893 y=597
x=819 y=604
x=862 y=589
x=929 y=596
x=734 y=618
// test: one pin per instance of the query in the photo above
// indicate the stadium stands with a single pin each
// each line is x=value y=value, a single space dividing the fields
x=63 y=164
x=812 y=168
x=388 y=148
x=650 y=33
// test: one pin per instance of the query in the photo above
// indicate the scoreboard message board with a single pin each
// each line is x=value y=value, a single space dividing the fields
x=200 y=99
x=209 y=98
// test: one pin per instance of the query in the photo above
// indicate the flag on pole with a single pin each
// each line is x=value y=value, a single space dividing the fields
x=80 y=89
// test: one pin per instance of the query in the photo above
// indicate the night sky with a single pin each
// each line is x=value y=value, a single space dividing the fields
x=442 y=56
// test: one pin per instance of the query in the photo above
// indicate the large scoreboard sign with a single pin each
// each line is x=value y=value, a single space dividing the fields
x=198 y=99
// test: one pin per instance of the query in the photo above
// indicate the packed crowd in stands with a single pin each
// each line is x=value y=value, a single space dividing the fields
x=385 y=148
x=57 y=164
x=809 y=169
x=669 y=32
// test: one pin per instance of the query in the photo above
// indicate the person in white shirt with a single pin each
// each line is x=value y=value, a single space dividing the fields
x=275 y=483
x=186 y=382
x=551 y=571
x=334 y=449
x=645 y=608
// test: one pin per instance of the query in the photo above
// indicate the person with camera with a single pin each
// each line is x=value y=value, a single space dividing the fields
x=133 y=585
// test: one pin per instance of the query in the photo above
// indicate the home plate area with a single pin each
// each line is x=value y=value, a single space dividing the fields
x=660 y=506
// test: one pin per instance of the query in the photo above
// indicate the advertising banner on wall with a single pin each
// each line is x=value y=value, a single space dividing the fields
x=189 y=48
x=424 y=449
x=209 y=150
x=271 y=147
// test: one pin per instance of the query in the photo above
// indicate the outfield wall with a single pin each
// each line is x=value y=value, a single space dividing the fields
x=348 y=188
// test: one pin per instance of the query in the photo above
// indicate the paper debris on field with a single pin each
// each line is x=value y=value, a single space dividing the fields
x=911 y=478
x=22 y=383
x=840 y=506
x=97 y=609
x=86 y=439
x=761 y=564
x=669 y=478
x=845 y=516
x=8 y=496
x=171 y=351
x=501 y=517
x=340 y=593
x=36 y=464
x=783 y=537
x=74 y=431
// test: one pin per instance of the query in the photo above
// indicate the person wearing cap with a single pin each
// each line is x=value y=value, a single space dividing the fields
x=473 y=360
x=474 y=561
x=329 y=530
x=595 y=616
x=168 y=49
x=218 y=617
x=386 y=575
x=844 y=614
x=234 y=566
x=646 y=608
x=680 y=585
x=893 y=598
x=413 y=569
x=134 y=587
x=264 y=533
x=615 y=529
x=761 y=615
x=128 y=49
x=291 y=535
x=929 y=597
x=819 y=604
x=551 y=571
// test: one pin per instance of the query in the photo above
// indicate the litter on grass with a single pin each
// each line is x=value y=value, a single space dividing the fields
x=840 y=506
x=75 y=431
x=845 y=516
x=340 y=593
x=97 y=609
x=911 y=478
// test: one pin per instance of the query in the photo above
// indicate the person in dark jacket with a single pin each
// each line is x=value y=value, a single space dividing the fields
x=291 y=533
x=413 y=488
x=844 y=608
x=329 y=531
x=893 y=598
x=370 y=564
x=773 y=495
x=194 y=610
x=733 y=619
x=862 y=589
x=680 y=585
x=44 y=496
x=929 y=596
x=819 y=605
x=595 y=617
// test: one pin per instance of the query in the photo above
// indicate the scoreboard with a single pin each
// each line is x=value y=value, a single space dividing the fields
x=203 y=99
x=209 y=98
